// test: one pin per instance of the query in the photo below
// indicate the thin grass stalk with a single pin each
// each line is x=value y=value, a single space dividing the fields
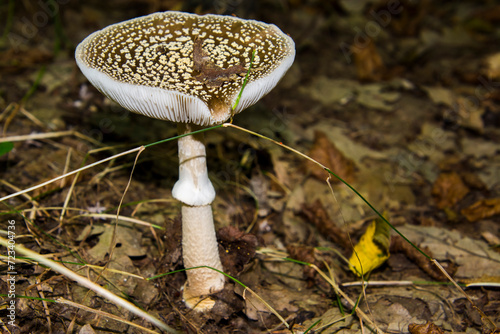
x=89 y=285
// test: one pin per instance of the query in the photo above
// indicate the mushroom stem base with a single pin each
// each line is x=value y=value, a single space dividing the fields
x=200 y=248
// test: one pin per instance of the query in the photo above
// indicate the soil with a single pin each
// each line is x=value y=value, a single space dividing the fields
x=401 y=99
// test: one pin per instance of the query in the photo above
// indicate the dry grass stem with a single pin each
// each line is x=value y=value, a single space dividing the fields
x=113 y=217
x=105 y=314
x=70 y=173
x=266 y=304
x=70 y=190
x=378 y=283
x=49 y=135
x=37 y=136
x=89 y=285
x=33 y=118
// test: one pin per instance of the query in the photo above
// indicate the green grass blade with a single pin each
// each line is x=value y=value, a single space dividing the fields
x=6 y=147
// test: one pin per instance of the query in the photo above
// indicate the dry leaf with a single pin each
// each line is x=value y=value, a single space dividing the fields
x=427 y=328
x=274 y=295
x=492 y=64
x=470 y=115
x=369 y=64
x=14 y=61
x=399 y=245
x=329 y=155
x=317 y=215
x=372 y=250
x=87 y=329
x=448 y=190
x=127 y=241
x=307 y=254
x=491 y=239
x=296 y=329
x=484 y=208
x=239 y=248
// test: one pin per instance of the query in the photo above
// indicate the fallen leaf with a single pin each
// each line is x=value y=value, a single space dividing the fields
x=260 y=186
x=296 y=329
x=469 y=115
x=448 y=190
x=273 y=294
x=128 y=242
x=15 y=61
x=399 y=245
x=329 y=91
x=440 y=95
x=317 y=215
x=307 y=254
x=395 y=312
x=87 y=329
x=329 y=155
x=335 y=320
x=409 y=21
x=369 y=64
x=375 y=96
x=490 y=14
x=491 y=239
x=484 y=208
x=372 y=250
x=473 y=258
x=492 y=64
x=427 y=328
x=239 y=248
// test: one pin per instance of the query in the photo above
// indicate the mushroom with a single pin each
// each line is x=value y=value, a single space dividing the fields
x=188 y=69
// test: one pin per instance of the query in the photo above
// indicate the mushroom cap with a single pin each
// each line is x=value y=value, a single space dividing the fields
x=185 y=67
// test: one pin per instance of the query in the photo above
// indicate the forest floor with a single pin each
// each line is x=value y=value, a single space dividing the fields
x=400 y=99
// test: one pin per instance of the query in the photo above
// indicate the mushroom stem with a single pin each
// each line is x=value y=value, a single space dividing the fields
x=200 y=248
x=199 y=243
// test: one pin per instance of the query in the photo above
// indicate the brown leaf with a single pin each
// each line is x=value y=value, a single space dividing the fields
x=448 y=190
x=399 y=245
x=427 y=328
x=369 y=64
x=484 y=208
x=15 y=61
x=329 y=155
x=239 y=248
x=317 y=215
x=490 y=14
x=408 y=22
x=307 y=254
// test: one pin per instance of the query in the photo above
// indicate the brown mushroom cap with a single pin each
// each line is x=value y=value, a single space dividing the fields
x=184 y=67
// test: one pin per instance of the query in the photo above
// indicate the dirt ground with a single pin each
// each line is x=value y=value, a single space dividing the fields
x=399 y=98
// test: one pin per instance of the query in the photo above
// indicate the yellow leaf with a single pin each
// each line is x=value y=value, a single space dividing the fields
x=372 y=249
